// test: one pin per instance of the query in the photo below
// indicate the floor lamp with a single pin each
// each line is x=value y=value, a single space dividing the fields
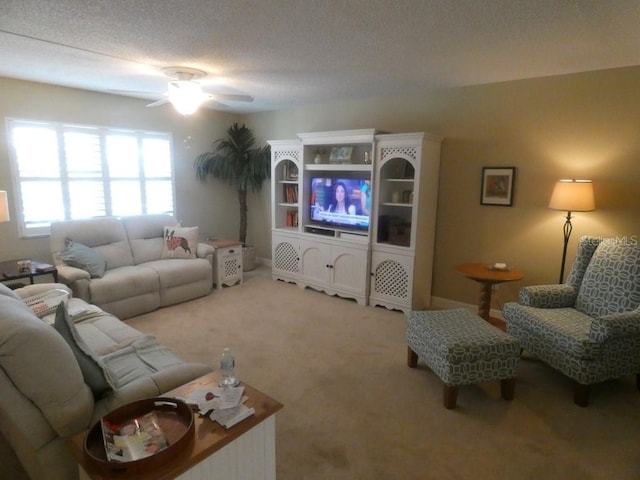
x=571 y=196
x=4 y=207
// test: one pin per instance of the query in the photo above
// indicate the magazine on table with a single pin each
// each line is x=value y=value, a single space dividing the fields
x=134 y=439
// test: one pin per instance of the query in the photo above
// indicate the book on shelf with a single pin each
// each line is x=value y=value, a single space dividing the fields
x=133 y=439
x=292 y=218
x=291 y=193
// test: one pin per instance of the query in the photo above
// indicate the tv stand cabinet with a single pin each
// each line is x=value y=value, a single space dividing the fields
x=388 y=264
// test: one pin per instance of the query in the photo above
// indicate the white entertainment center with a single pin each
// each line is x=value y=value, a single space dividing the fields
x=385 y=255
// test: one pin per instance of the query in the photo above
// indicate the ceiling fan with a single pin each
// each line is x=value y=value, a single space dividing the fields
x=185 y=93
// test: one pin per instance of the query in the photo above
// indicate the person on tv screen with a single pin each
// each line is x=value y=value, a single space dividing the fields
x=341 y=202
x=365 y=197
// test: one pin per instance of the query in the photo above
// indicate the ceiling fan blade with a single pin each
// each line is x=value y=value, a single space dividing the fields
x=159 y=102
x=230 y=97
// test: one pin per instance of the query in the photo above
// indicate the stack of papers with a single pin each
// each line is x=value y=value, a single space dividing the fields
x=223 y=405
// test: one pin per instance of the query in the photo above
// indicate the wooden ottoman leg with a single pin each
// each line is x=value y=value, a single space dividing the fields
x=581 y=394
x=507 y=388
x=450 y=396
x=412 y=358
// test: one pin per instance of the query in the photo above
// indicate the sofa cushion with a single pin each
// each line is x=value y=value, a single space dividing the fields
x=93 y=370
x=146 y=235
x=611 y=283
x=180 y=242
x=81 y=256
x=106 y=235
x=121 y=283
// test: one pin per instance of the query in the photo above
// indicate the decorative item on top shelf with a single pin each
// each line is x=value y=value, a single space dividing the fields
x=497 y=186
x=318 y=158
x=290 y=171
x=340 y=155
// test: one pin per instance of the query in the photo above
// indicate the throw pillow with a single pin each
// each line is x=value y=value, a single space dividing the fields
x=180 y=242
x=86 y=258
x=93 y=370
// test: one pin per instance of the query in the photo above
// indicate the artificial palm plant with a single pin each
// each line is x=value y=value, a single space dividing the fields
x=239 y=162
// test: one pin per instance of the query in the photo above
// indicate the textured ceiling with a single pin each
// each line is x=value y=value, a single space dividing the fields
x=286 y=53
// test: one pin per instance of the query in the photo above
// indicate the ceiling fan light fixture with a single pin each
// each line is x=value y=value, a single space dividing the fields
x=186 y=96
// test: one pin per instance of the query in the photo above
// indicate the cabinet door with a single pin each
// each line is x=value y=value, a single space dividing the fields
x=391 y=281
x=349 y=269
x=285 y=257
x=315 y=262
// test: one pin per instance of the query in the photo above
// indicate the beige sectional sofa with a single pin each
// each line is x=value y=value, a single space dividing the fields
x=48 y=393
x=138 y=276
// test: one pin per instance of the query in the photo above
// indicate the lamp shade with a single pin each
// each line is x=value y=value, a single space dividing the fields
x=573 y=196
x=4 y=207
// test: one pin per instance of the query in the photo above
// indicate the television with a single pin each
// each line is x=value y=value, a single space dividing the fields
x=340 y=202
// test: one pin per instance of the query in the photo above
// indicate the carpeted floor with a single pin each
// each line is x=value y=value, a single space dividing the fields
x=354 y=410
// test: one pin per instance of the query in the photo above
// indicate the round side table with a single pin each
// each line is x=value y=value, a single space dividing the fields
x=488 y=277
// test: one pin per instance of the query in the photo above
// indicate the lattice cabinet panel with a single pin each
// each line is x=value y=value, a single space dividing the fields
x=285 y=258
x=391 y=281
x=402 y=151
x=227 y=265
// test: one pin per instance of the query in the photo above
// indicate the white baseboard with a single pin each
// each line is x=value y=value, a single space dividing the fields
x=263 y=261
x=445 y=303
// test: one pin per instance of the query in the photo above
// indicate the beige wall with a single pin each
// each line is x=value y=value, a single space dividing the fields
x=584 y=125
x=574 y=126
x=199 y=204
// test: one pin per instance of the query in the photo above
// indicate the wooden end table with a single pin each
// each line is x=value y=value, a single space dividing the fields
x=246 y=451
x=227 y=262
x=488 y=277
x=9 y=270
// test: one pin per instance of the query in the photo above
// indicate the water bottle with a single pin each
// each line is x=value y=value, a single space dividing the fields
x=227 y=364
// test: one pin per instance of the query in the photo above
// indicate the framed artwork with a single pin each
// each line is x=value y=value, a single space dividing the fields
x=340 y=155
x=497 y=186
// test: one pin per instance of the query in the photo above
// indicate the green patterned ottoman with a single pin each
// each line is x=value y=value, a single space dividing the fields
x=462 y=349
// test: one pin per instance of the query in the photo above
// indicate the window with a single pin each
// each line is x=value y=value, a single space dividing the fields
x=68 y=172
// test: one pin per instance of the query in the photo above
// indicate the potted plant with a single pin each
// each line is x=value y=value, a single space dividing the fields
x=238 y=161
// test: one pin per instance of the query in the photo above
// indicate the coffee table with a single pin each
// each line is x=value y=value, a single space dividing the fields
x=245 y=451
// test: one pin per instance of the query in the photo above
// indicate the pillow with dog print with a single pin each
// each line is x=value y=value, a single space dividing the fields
x=180 y=242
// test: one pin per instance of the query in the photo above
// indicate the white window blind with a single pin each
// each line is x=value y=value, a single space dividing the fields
x=65 y=172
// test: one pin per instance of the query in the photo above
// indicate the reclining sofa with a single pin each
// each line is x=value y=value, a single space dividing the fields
x=138 y=273
x=61 y=373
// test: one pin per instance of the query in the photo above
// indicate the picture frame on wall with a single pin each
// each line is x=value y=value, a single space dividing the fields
x=497 y=186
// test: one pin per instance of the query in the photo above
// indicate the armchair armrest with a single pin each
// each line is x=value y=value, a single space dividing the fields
x=204 y=250
x=625 y=324
x=36 y=288
x=548 y=296
x=77 y=279
x=69 y=274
